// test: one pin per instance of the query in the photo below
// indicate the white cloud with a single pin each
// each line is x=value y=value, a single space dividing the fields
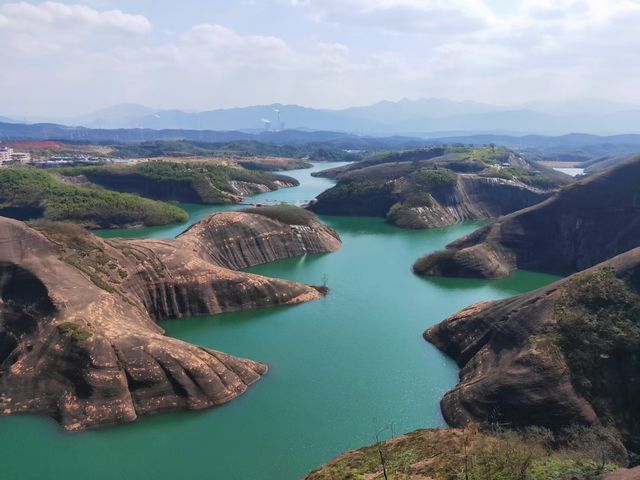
x=419 y=16
x=52 y=15
x=61 y=55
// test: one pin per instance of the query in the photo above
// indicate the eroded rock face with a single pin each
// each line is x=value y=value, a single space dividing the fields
x=586 y=223
x=432 y=188
x=78 y=334
x=532 y=360
x=239 y=240
x=474 y=197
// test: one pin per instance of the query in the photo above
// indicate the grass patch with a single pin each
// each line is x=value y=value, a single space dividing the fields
x=76 y=332
x=431 y=179
x=288 y=214
x=532 y=454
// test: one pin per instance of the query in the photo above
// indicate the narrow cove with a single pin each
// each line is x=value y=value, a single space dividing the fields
x=341 y=368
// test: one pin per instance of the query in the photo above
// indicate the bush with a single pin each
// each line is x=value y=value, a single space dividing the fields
x=598 y=326
x=94 y=207
x=74 y=331
x=435 y=179
x=285 y=213
x=404 y=216
x=424 y=265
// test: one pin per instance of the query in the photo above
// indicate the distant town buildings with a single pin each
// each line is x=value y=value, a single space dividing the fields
x=9 y=157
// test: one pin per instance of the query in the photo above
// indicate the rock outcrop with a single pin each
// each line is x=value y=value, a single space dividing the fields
x=584 y=224
x=438 y=187
x=239 y=240
x=78 y=334
x=565 y=354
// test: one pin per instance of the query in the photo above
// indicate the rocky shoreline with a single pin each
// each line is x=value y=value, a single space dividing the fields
x=80 y=341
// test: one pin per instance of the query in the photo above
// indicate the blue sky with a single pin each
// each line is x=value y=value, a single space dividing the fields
x=69 y=57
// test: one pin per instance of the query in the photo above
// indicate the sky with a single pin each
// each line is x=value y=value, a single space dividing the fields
x=63 y=58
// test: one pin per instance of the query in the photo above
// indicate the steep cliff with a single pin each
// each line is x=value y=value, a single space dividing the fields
x=437 y=187
x=584 y=224
x=565 y=354
x=78 y=334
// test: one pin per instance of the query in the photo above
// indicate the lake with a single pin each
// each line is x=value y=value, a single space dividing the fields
x=341 y=368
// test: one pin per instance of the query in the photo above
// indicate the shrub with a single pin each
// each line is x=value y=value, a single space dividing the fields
x=435 y=179
x=441 y=259
x=26 y=187
x=598 y=325
x=74 y=331
x=288 y=214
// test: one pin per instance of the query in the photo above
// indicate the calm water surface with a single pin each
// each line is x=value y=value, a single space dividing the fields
x=574 y=172
x=341 y=368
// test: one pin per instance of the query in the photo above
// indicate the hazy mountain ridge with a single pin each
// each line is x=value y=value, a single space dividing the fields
x=408 y=117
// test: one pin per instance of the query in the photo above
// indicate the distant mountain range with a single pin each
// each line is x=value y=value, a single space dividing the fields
x=419 y=118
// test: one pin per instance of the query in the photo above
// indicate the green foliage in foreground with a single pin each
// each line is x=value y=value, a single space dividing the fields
x=598 y=331
x=42 y=192
x=288 y=214
x=533 y=454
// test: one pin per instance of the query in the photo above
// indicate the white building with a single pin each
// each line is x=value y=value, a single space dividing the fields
x=8 y=156
x=5 y=154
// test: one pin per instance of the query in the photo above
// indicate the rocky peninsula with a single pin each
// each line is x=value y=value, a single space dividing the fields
x=436 y=187
x=584 y=224
x=79 y=338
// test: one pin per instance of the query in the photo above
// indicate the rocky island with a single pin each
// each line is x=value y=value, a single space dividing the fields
x=435 y=187
x=79 y=340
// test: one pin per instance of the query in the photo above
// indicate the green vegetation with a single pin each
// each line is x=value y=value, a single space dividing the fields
x=27 y=193
x=413 y=155
x=442 y=258
x=345 y=191
x=271 y=166
x=529 y=177
x=76 y=332
x=405 y=216
x=598 y=331
x=429 y=179
x=532 y=454
x=333 y=155
x=240 y=148
x=288 y=214
x=489 y=155
x=85 y=252
x=178 y=181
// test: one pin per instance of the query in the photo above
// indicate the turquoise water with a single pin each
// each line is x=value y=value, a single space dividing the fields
x=341 y=368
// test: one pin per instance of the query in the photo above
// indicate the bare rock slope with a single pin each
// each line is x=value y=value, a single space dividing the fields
x=584 y=224
x=78 y=334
